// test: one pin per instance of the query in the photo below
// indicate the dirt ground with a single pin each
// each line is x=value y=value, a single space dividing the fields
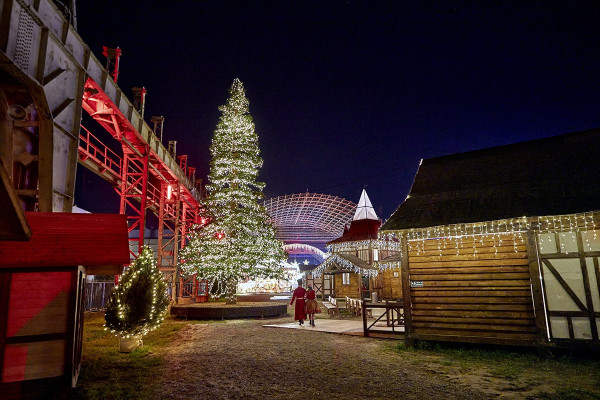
x=241 y=359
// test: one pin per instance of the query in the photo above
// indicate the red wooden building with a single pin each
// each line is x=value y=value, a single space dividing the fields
x=41 y=297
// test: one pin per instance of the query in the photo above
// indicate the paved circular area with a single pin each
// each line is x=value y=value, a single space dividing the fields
x=214 y=310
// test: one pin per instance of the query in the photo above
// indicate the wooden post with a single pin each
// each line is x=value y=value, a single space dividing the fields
x=536 y=288
x=587 y=288
x=364 y=317
x=404 y=266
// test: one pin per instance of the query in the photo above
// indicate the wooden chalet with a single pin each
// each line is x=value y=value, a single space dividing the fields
x=41 y=297
x=352 y=264
x=502 y=245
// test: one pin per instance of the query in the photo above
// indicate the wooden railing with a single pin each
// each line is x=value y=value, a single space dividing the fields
x=393 y=316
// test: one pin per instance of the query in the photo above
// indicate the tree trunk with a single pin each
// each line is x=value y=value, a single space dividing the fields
x=230 y=289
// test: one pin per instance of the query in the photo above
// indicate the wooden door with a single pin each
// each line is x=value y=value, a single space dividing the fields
x=327 y=285
x=570 y=275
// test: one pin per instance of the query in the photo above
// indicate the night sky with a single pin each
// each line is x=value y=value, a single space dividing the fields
x=348 y=94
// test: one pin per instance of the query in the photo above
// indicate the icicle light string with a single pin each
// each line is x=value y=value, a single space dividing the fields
x=497 y=231
x=345 y=264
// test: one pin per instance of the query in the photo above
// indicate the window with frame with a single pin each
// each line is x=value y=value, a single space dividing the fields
x=345 y=278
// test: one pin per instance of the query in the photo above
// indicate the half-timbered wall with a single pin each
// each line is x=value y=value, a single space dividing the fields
x=571 y=281
x=322 y=285
x=474 y=288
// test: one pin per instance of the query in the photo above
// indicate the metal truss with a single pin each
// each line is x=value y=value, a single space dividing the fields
x=309 y=217
x=146 y=177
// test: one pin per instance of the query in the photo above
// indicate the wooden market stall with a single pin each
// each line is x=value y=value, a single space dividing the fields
x=502 y=245
x=353 y=263
x=41 y=297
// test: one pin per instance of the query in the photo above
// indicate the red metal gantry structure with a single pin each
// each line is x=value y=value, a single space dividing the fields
x=48 y=76
x=142 y=177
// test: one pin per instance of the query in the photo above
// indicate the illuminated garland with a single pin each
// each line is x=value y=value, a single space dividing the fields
x=382 y=266
x=451 y=236
x=239 y=243
x=381 y=244
x=345 y=264
x=137 y=305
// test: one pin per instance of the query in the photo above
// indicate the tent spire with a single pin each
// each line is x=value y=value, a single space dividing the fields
x=365 y=209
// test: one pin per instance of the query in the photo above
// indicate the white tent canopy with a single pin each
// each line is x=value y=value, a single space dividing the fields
x=365 y=209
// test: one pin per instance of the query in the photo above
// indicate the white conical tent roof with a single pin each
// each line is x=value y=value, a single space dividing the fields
x=365 y=209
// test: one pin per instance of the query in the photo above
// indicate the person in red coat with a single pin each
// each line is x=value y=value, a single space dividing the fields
x=311 y=306
x=298 y=295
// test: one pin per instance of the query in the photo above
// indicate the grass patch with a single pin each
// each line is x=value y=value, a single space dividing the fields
x=566 y=376
x=106 y=373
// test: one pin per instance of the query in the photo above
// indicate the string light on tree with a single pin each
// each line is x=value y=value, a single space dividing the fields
x=137 y=305
x=238 y=243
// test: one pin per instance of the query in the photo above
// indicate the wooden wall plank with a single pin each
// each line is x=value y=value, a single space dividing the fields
x=498 y=284
x=471 y=263
x=450 y=269
x=483 y=291
x=472 y=313
x=471 y=293
x=466 y=307
x=471 y=300
x=482 y=277
x=467 y=257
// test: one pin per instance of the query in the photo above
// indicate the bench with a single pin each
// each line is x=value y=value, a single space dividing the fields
x=355 y=307
x=331 y=306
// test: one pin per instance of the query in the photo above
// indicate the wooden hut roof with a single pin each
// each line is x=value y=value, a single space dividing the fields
x=364 y=225
x=363 y=229
x=339 y=261
x=98 y=241
x=551 y=176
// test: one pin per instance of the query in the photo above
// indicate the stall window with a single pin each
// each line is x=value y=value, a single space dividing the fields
x=346 y=278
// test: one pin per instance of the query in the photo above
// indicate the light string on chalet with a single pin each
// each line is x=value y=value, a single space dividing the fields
x=502 y=234
x=345 y=264
x=452 y=236
x=392 y=245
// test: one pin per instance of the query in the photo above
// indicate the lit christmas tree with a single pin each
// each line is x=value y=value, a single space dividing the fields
x=137 y=305
x=240 y=241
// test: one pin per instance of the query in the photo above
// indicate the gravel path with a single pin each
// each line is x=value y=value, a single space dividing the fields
x=241 y=359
